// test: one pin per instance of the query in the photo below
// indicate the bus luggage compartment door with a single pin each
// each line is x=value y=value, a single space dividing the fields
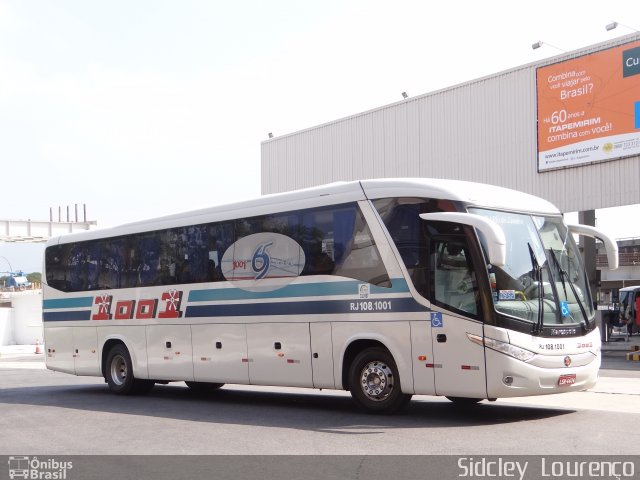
x=169 y=352
x=220 y=353
x=279 y=354
x=85 y=351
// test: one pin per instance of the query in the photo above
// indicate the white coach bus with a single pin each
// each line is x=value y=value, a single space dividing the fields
x=385 y=288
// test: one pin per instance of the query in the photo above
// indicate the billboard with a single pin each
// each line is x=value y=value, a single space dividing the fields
x=589 y=108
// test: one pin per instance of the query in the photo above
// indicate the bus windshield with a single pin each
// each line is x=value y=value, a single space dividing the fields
x=543 y=280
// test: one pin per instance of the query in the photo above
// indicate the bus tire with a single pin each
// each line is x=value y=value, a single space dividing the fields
x=374 y=382
x=203 y=387
x=119 y=373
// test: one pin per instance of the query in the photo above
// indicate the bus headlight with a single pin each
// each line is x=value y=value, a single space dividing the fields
x=503 y=347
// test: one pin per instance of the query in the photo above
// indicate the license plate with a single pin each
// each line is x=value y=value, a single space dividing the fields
x=567 y=379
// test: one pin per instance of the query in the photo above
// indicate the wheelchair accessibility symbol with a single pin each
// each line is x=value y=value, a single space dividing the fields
x=436 y=320
x=564 y=308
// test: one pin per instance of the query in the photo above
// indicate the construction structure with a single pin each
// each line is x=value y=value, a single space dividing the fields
x=13 y=231
x=20 y=301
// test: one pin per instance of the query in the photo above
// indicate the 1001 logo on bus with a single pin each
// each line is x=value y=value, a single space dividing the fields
x=143 y=309
x=259 y=262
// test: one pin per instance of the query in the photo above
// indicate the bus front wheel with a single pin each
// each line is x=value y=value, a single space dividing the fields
x=119 y=373
x=374 y=382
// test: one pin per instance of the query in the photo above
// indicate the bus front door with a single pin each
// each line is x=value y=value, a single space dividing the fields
x=459 y=363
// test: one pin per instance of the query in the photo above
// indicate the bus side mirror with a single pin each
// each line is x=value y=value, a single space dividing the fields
x=610 y=244
x=493 y=233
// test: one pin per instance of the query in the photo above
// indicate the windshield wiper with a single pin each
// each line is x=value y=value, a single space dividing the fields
x=537 y=327
x=565 y=276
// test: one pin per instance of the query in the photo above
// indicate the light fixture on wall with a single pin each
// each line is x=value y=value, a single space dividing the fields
x=614 y=25
x=540 y=43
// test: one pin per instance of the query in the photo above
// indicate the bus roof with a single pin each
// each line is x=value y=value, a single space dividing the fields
x=630 y=289
x=476 y=194
x=472 y=193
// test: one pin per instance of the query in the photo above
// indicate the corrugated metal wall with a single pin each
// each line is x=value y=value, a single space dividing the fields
x=483 y=130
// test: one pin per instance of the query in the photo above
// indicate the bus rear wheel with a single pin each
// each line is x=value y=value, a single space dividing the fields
x=119 y=373
x=374 y=382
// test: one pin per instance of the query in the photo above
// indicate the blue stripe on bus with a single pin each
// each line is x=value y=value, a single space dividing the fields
x=66 y=316
x=298 y=290
x=67 y=303
x=319 y=307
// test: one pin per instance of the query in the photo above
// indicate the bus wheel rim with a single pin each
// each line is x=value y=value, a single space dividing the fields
x=376 y=381
x=118 y=370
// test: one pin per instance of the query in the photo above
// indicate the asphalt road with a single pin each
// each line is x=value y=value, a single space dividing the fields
x=54 y=413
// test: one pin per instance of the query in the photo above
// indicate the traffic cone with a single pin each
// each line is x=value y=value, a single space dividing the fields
x=38 y=347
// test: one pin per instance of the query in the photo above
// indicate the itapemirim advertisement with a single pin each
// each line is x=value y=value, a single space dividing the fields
x=589 y=108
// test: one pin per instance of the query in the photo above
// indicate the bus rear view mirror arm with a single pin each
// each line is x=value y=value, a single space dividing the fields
x=610 y=244
x=493 y=233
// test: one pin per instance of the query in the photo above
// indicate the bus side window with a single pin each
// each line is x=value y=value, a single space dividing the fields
x=57 y=261
x=453 y=279
x=355 y=252
x=220 y=237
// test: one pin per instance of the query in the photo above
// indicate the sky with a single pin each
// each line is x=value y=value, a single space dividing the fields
x=144 y=108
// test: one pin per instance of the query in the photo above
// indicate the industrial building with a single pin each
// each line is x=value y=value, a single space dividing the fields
x=566 y=128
